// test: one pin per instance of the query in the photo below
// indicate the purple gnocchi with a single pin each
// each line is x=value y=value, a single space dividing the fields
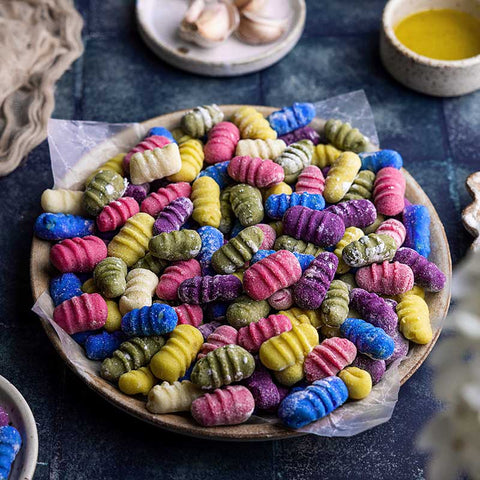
x=322 y=228
x=401 y=348
x=312 y=287
x=302 y=133
x=355 y=213
x=173 y=216
x=199 y=290
x=374 y=309
x=138 y=192
x=206 y=329
x=376 y=368
x=425 y=273
x=266 y=393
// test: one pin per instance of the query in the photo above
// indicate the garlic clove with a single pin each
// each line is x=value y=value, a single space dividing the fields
x=194 y=11
x=250 y=5
x=209 y=23
x=214 y=22
x=255 y=29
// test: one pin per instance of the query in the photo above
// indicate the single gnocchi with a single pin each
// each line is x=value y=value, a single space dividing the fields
x=252 y=124
x=206 y=202
x=140 y=287
x=155 y=164
x=191 y=156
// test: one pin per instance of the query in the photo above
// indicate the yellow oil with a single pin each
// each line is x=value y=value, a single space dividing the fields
x=443 y=34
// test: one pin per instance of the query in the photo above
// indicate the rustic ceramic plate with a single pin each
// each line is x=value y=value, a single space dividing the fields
x=438 y=303
x=22 y=419
x=158 y=21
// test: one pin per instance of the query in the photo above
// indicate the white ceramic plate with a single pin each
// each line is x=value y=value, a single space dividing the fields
x=22 y=419
x=158 y=21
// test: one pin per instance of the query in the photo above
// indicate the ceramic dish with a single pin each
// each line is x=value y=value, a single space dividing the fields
x=41 y=272
x=426 y=75
x=22 y=419
x=158 y=22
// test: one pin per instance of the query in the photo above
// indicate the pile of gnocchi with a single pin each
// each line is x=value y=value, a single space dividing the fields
x=243 y=264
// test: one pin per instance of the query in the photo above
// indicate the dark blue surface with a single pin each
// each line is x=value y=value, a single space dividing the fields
x=118 y=79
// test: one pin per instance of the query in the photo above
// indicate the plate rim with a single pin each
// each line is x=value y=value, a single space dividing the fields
x=243 y=432
x=220 y=68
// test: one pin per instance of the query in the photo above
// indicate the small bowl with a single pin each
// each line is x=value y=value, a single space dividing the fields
x=22 y=419
x=440 y=78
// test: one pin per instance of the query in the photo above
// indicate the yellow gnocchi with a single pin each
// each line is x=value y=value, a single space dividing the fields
x=206 y=202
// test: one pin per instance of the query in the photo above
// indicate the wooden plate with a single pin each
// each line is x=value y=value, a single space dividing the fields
x=41 y=271
x=158 y=21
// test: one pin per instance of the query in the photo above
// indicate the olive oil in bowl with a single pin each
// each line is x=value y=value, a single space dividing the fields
x=442 y=34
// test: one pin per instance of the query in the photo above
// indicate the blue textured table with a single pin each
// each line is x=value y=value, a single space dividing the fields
x=119 y=80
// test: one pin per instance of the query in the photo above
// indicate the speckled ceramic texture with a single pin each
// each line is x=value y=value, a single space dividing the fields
x=158 y=21
x=41 y=271
x=433 y=77
x=22 y=419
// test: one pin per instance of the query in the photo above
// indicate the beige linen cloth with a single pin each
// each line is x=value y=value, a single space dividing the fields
x=39 y=40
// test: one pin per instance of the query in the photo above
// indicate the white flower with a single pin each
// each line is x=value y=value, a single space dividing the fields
x=453 y=436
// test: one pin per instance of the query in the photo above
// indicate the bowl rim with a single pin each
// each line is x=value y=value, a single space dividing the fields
x=29 y=449
x=387 y=28
x=246 y=431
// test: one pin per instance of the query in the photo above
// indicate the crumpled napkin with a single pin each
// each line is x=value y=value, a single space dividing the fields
x=39 y=40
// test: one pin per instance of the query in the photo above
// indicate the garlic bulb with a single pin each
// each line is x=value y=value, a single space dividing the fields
x=209 y=22
x=256 y=29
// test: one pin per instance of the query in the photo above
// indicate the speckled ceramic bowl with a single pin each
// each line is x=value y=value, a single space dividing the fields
x=22 y=419
x=426 y=75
